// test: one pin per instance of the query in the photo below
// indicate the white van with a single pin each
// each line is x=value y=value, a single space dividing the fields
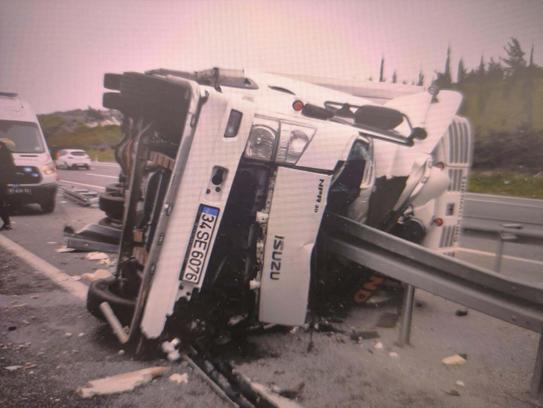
x=36 y=177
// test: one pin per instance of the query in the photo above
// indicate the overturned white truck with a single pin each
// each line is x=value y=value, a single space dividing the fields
x=227 y=175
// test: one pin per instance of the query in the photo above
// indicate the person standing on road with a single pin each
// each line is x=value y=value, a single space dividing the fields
x=7 y=174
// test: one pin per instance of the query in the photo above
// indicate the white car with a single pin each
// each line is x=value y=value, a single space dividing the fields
x=72 y=159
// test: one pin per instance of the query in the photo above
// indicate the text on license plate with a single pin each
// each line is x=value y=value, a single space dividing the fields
x=19 y=190
x=199 y=244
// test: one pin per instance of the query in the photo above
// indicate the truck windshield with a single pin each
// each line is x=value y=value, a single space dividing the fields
x=24 y=136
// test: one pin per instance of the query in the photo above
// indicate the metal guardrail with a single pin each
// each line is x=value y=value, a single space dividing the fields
x=503 y=297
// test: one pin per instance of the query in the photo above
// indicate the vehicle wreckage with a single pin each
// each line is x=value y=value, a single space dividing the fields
x=249 y=199
x=225 y=180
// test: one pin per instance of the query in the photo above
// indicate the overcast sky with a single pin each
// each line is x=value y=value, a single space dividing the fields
x=55 y=53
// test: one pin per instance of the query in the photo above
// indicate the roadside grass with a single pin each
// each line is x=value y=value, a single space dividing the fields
x=506 y=182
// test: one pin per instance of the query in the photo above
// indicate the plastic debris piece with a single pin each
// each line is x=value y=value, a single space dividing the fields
x=96 y=275
x=378 y=346
x=96 y=256
x=81 y=334
x=460 y=383
x=67 y=334
x=393 y=354
x=179 y=378
x=13 y=367
x=64 y=249
x=121 y=382
x=455 y=359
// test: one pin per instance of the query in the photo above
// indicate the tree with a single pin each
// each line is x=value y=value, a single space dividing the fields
x=382 y=70
x=495 y=69
x=420 y=81
x=444 y=79
x=394 y=77
x=515 y=61
x=481 y=69
x=461 y=76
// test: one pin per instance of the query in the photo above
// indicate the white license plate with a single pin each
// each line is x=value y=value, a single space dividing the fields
x=199 y=246
x=19 y=190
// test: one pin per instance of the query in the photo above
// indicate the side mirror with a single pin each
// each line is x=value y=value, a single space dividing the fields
x=378 y=117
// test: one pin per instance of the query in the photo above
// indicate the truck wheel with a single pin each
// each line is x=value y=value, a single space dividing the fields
x=112 y=205
x=48 y=205
x=104 y=290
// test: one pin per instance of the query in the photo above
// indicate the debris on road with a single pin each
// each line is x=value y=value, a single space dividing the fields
x=460 y=383
x=461 y=312
x=364 y=335
x=455 y=359
x=290 y=393
x=170 y=349
x=67 y=334
x=453 y=393
x=393 y=354
x=97 y=275
x=179 y=378
x=378 y=346
x=96 y=256
x=81 y=196
x=13 y=367
x=121 y=382
x=63 y=249
x=387 y=320
x=273 y=397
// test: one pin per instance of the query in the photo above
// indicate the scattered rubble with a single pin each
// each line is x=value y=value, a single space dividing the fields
x=393 y=354
x=121 y=382
x=378 y=346
x=460 y=383
x=96 y=256
x=290 y=393
x=170 y=349
x=179 y=378
x=455 y=359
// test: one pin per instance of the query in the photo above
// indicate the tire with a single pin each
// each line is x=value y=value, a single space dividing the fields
x=103 y=290
x=112 y=204
x=48 y=205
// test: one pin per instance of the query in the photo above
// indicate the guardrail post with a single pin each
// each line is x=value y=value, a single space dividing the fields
x=406 y=316
x=537 y=378
x=503 y=236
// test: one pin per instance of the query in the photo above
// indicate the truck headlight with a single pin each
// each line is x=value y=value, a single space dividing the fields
x=283 y=142
x=293 y=142
x=262 y=140
x=49 y=169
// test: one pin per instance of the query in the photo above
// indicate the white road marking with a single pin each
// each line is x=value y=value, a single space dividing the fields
x=493 y=255
x=101 y=175
x=82 y=184
x=62 y=279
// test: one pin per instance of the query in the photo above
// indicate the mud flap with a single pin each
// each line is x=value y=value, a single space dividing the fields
x=299 y=200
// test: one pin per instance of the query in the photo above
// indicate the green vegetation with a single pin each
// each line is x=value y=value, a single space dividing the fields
x=507 y=183
x=71 y=130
